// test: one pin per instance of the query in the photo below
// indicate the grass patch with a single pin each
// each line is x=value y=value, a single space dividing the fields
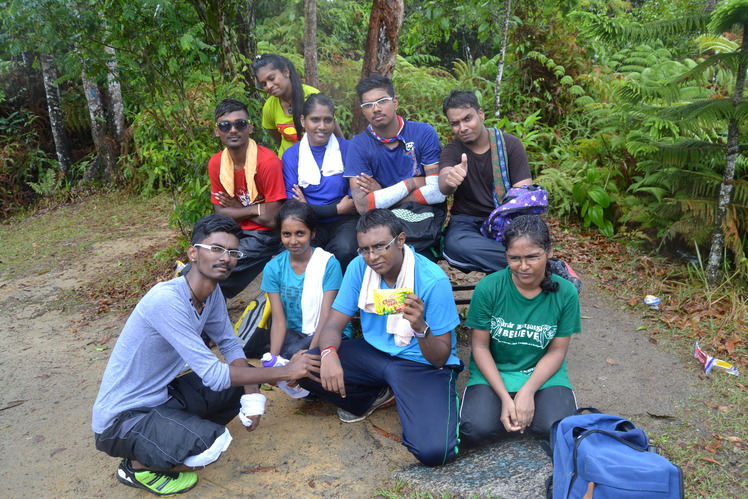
x=52 y=237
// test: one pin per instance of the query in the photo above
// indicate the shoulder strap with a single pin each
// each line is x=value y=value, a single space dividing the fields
x=499 y=161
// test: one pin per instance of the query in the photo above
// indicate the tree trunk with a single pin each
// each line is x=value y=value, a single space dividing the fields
x=728 y=178
x=504 y=36
x=56 y=116
x=310 y=43
x=103 y=165
x=380 y=51
x=247 y=42
x=114 y=92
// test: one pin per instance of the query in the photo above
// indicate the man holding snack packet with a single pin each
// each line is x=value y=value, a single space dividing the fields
x=408 y=357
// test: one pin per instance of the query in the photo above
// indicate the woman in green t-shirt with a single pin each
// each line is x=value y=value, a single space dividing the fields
x=522 y=319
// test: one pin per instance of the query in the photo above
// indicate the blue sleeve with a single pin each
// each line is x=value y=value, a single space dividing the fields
x=347 y=300
x=291 y=169
x=356 y=159
x=431 y=149
x=441 y=311
x=333 y=275
x=271 y=276
x=344 y=154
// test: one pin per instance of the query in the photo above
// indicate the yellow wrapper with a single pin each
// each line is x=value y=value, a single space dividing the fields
x=390 y=301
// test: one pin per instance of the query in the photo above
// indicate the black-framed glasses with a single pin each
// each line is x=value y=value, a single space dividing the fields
x=379 y=103
x=225 y=126
x=219 y=251
x=377 y=250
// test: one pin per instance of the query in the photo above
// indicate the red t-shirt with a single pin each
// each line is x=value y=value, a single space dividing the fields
x=268 y=181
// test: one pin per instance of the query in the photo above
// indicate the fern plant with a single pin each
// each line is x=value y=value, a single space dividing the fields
x=683 y=122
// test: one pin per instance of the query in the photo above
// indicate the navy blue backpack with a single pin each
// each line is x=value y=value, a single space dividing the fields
x=599 y=456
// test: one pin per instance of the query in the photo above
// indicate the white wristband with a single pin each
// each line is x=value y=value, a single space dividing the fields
x=253 y=404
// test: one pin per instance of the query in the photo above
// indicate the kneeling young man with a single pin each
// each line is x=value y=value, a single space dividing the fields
x=165 y=425
x=411 y=358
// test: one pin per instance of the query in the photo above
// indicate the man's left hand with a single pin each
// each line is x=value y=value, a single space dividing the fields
x=298 y=194
x=255 y=422
x=228 y=201
x=367 y=183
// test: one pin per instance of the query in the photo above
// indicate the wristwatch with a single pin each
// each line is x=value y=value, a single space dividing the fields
x=424 y=333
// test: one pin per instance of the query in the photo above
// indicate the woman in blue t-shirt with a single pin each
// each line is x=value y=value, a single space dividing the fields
x=313 y=173
x=301 y=282
x=522 y=319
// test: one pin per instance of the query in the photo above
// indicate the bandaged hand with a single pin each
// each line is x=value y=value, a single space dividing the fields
x=253 y=404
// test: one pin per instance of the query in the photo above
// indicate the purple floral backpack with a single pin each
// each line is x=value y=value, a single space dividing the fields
x=525 y=200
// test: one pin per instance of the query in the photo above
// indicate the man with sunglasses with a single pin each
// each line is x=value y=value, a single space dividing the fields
x=164 y=425
x=394 y=164
x=410 y=358
x=246 y=184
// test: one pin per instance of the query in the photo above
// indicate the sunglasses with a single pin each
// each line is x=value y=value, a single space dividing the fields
x=225 y=126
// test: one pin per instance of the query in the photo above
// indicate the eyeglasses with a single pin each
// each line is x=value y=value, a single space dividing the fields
x=219 y=251
x=531 y=259
x=379 y=103
x=377 y=250
x=225 y=126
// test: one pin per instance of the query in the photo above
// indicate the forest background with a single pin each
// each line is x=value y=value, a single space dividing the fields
x=633 y=115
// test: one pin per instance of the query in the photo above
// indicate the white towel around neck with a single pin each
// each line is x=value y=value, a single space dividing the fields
x=396 y=324
x=313 y=290
x=309 y=172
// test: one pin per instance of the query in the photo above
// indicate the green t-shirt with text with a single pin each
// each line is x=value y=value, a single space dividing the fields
x=521 y=329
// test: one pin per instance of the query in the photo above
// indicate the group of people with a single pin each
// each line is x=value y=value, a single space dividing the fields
x=331 y=222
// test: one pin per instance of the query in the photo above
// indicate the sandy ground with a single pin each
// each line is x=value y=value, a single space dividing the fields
x=51 y=362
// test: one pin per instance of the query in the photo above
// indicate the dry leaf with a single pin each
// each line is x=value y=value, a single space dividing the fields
x=713 y=447
x=721 y=408
x=711 y=460
x=387 y=434
x=729 y=438
x=611 y=361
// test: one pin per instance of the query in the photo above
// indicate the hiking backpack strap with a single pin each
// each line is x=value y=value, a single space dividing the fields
x=500 y=162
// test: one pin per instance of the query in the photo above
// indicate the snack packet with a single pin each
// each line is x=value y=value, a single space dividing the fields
x=710 y=363
x=652 y=301
x=390 y=301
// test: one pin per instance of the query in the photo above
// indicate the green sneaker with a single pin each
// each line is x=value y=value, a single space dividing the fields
x=158 y=482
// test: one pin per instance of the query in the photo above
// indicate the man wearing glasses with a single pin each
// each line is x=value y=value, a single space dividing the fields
x=246 y=184
x=410 y=358
x=163 y=425
x=394 y=164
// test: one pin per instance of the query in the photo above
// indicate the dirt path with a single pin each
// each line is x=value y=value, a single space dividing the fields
x=52 y=359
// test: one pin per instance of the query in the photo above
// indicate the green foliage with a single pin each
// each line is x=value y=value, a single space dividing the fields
x=421 y=92
x=22 y=161
x=668 y=114
x=342 y=26
x=594 y=201
x=50 y=181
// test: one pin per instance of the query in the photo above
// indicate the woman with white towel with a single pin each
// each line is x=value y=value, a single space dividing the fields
x=301 y=282
x=313 y=173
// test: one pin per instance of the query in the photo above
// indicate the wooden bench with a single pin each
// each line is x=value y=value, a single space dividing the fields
x=462 y=287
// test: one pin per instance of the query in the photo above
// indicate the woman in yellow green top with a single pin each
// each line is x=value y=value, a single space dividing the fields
x=281 y=114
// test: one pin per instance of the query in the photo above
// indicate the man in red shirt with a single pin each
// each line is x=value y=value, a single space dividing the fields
x=246 y=184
